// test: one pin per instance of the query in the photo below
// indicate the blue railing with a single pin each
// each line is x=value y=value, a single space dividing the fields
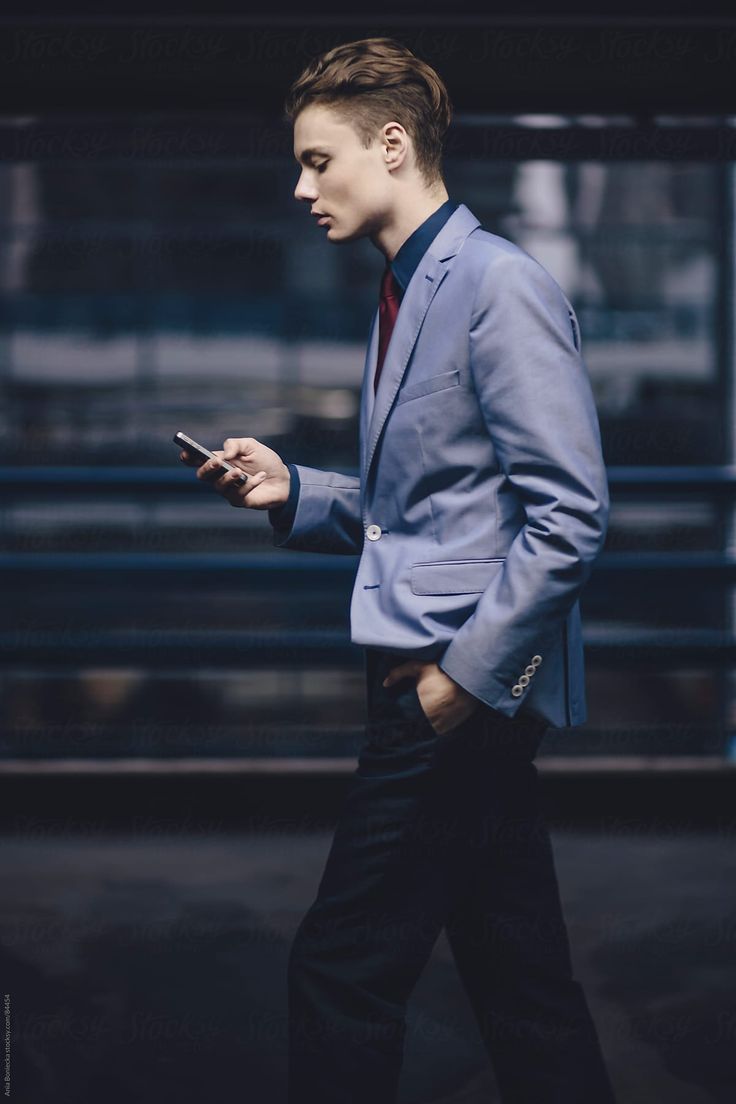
x=286 y=571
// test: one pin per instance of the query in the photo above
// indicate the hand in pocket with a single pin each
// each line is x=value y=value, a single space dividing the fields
x=444 y=703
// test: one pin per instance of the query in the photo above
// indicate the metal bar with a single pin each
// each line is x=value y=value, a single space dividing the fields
x=108 y=139
x=234 y=649
x=286 y=567
x=17 y=479
x=290 y=766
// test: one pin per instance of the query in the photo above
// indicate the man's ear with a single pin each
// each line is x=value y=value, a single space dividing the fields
x=394 y=140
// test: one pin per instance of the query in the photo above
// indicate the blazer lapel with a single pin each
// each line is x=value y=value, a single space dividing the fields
x=366 y=394
x=422 y=288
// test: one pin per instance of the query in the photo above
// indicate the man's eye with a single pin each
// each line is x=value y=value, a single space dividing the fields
x=322 y=167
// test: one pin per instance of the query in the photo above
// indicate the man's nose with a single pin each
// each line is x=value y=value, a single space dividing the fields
x=303 y=190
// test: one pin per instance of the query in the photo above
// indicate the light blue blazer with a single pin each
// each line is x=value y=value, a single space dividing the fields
x=482 y=501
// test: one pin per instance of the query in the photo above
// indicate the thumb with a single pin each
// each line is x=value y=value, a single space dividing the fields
x=404 y=669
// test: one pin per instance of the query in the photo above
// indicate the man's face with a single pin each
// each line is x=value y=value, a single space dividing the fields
x=339 y=177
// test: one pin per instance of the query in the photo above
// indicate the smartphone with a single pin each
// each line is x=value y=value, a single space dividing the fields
x=191 y=446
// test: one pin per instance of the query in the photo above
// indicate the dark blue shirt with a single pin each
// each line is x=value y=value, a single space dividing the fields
x=403 y=267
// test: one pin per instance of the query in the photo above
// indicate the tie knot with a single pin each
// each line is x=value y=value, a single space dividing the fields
x=389 y=284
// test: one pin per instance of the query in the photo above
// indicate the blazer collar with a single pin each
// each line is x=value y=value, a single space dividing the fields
x=421 y=290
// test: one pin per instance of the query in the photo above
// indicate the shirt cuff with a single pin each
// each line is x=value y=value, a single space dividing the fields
x=282 y=517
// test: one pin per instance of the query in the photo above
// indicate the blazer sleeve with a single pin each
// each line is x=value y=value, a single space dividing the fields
x=537 y=404
x=322 y=514
x=282 y=517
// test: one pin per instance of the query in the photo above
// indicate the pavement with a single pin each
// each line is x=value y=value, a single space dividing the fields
x=148 y=964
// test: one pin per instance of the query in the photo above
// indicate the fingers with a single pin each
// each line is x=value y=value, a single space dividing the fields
x=411 y=667
x=234 y=485
x=189 y=459
x=211 y=471
x=192 y=460
x=239 y=494
x=235 y=446
x=236 y=492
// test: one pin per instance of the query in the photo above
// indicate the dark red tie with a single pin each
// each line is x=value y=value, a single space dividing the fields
x=388 y=308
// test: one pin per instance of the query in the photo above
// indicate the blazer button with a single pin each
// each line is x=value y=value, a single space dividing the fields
x=523 y=680
x=529 y=670
x=536 y=660
x=373 y=532
x=516 y=690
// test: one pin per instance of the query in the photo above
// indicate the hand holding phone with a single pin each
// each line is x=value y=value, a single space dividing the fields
x=204 y=454
x=262 y=486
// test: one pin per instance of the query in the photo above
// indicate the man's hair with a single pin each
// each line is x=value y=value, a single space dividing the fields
x=373 y=81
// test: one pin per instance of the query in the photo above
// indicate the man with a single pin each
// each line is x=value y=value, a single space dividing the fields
x=480 y=508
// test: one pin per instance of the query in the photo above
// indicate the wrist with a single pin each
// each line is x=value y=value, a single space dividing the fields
x=284 y=486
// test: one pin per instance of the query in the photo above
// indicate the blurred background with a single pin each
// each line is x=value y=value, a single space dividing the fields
x=145 y=292
x=159 y=655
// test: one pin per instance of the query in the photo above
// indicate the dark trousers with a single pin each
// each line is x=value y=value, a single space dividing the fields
x=439 y=832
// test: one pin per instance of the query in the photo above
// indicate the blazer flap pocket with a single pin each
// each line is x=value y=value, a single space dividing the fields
x=453 y=576
x=427 y=386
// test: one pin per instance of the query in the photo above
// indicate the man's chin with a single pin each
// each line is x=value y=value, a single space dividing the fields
x=336 y=233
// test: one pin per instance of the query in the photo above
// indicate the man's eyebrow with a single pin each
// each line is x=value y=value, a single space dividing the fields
x=315 y=151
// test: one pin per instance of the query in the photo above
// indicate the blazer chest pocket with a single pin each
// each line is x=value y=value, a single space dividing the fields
x=453 y=576
x=428 y=386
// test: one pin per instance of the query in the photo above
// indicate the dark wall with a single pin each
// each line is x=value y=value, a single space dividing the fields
x=663 y=57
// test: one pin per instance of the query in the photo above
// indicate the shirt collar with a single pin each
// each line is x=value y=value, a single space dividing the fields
x=413 y=249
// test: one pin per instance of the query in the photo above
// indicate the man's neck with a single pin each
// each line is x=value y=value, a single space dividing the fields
x=392 y=236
